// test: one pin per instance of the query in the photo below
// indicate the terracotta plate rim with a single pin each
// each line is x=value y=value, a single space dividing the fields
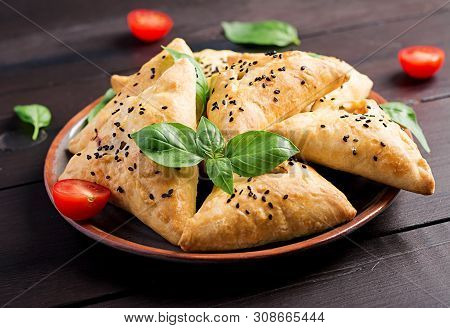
x=385 y=198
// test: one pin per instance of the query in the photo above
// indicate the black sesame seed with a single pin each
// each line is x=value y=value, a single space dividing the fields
x=270 y=217
x=247 y=212
x=375 y=158
x=365 y=125
x=120 y=189
x=354 y=151
x=303 y=82
x=231 y=119
x=130 y=169
x=303 y=68
x=322 y=126
x=275 y=99
x=382 y=144
x=237 y=205
x=263 y=198
x=151 y=196
x=88 y=157
x=276 y=91
x=92 y=173
x=164 y=107
x=285 y=197
x=355 y=140
x=228 y=200
x=266 y=192
x=249 y=179
x=304 y=166
x=108 y=177
x=78 y=154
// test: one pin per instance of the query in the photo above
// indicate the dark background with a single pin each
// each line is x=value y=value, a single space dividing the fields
x=405 y=254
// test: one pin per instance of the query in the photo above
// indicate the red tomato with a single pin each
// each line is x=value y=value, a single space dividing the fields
x=421 y=62
x=79 y=199
x=149 y=25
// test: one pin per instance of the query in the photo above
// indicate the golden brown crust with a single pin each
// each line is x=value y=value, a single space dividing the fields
x=368 y=145
x=135 y=84
x=356 y=88
x=270 y=90
x=162 y=198
x=213 y=61
x=260 y=212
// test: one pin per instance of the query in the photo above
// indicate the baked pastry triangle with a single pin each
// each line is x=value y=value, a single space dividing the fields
x=127 y=87
x=269 y=90
x=369 y=145
x=291 y=202
x=162 y=198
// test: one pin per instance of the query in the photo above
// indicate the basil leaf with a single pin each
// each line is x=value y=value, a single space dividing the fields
x=168 y=144
x=220 y=172
x=405 y=116
x=109 y=94
x=37 y=115
x=271 y=32
x=202 y=88
x=257 y=152
x=209 y=140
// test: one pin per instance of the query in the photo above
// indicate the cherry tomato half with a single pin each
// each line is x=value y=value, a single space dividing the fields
x=421 y=62
x=149 y=25
x=79 y=199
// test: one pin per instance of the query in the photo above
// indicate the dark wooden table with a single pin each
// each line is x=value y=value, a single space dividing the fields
x=404 y=258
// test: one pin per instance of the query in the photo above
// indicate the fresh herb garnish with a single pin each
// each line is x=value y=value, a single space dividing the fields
x=168 y=144
x=210 y=142
x=405 y=116
x=254 y=153
x=202 y=88
x=267 y=33
x=249 y=154
x=37 y=115
x=109 y=94
x=220 y=172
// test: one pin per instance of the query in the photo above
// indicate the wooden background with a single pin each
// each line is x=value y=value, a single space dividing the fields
x=405 y=256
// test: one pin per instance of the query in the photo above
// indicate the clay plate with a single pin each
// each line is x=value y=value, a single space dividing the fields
x=109 y=228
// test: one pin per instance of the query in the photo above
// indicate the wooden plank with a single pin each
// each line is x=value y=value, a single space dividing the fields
x=36 y=241
x=403 y=270
x=31 y=55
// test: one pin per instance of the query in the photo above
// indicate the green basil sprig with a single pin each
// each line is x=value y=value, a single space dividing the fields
x=405 y=116
x=249 y=154
x=202 y=88
x=267 y=33
x=37 y=115
x=109 y=94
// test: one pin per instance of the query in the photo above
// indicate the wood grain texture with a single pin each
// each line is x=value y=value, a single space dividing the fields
x=35 y=241
x=410 y=274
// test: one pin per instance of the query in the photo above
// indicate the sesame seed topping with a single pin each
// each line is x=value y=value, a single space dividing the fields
x=322 y=126
x=285 y=197
x=375 y=158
